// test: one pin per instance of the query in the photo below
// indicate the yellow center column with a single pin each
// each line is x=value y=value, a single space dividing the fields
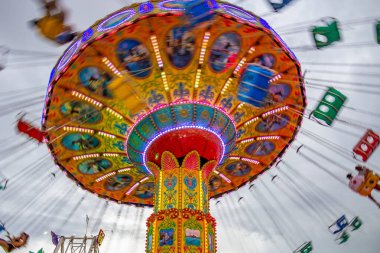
x=181 y=221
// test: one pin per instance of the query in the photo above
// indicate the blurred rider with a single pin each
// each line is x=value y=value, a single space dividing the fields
x=52 y=25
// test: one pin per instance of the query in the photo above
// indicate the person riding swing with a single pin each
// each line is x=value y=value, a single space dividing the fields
x=52 y=26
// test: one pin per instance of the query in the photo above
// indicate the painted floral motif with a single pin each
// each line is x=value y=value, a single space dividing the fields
x=119 y=145
x=170 y=182
x=190 y=182
x=170 y=199
x=121 y=128
x=191 y=200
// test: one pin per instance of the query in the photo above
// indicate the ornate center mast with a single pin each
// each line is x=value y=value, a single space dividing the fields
x=181 y=156
x=146 y=98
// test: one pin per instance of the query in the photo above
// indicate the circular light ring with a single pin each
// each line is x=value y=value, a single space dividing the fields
x=103 y=27
x=184 y=140
x=161 y=5
x=223 y=145
x=68 y=55
x=219 y=123
x=239 y=13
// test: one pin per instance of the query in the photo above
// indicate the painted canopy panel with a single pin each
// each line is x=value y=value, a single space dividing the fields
x=137 y=60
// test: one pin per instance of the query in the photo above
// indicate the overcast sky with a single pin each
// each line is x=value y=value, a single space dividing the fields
x=272 y=217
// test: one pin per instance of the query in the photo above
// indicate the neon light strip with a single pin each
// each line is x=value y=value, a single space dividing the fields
x=241 y=63
x=260 y=139
x=87 y=130
x=132 y=188
x=250 y=160
x=105 y=176
x=96 y=103
x=78 y=129
x=111 y=154
x=280 y=109
x=251 y=50
x=222 y=176
x=156 y=49
x=251 y=121
x=81 y=157
x=114 y=113
x=273 y=137
x=206 y=38
x=275 y=78
x=86 y=98
x=226 y=85
x=183 y=127
x=165 y=81
x=124 y=170
x=106 y=135
x=197 y=78
x=111 y=67
x=244 y=159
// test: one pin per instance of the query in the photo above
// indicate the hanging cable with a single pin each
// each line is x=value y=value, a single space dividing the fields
x=366 y=74
x=232 y=204
x=308 y=48
x=222 y=223
x=343 y=64
x=250 y=214
x=242 y=221
x=302 y=200
x=139 y=226
x=321 y=167
x=351 y=108
x=331 y=161
x=261 y=200
x=328 y=211
x=99 y=217
x=33 y=202
x=124 y=226
x=50 y=208
x=300 y=27
x=72 y=212
x=364 y=20
x=113 y=228
x=133 y=227
x=293 y=223
x=344 y=82
x=320 y=192
x=24 y=174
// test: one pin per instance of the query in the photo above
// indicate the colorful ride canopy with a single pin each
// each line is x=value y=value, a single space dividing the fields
x=145 y=64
